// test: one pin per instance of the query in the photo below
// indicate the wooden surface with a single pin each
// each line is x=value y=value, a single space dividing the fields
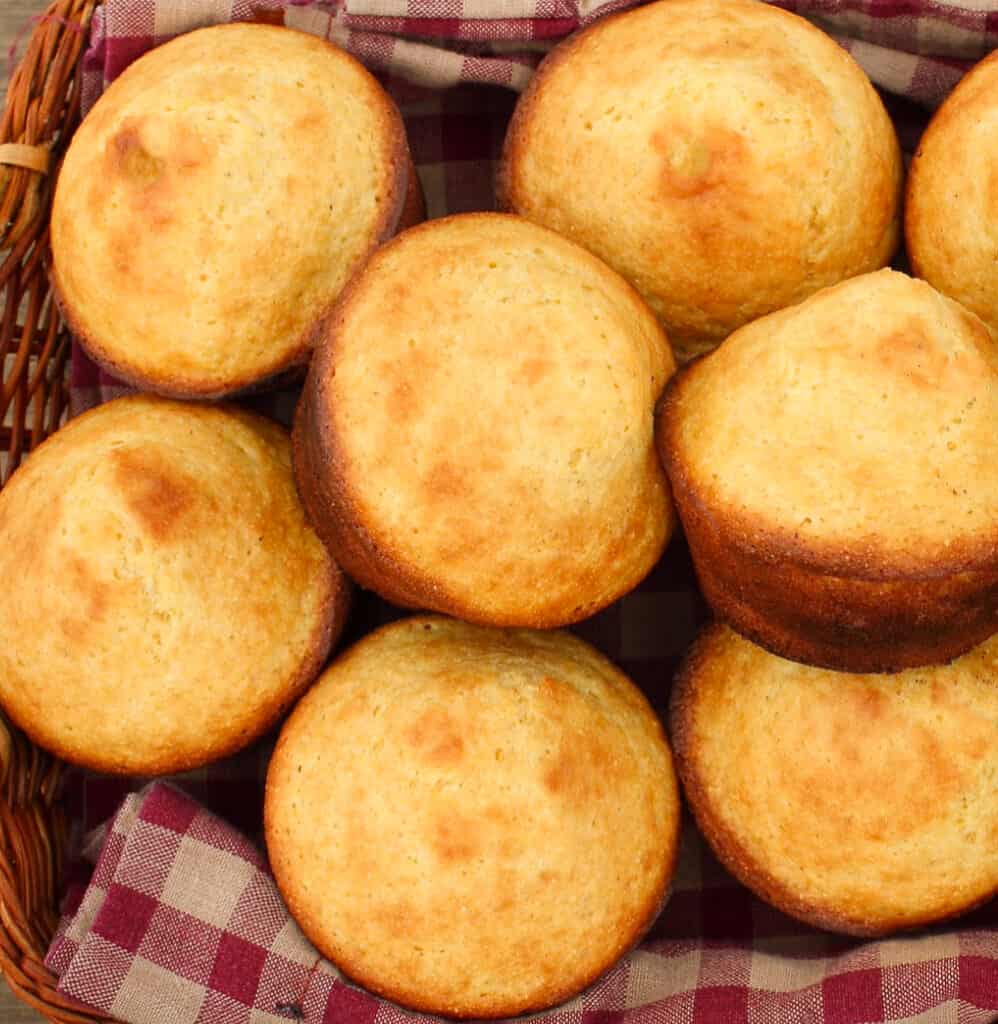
x=15 y=24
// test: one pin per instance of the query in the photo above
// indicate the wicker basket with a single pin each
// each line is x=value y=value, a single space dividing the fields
x=41 y=112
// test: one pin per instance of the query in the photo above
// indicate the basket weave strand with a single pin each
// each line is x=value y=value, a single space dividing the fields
x=41 y=111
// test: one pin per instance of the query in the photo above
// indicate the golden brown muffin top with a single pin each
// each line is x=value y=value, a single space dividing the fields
x=725 y=156
x=854 y=432
x=952 y=194
x=480 y=416
x=862 y=804
x=216 y=199
x=470 y=821
x=164 y=599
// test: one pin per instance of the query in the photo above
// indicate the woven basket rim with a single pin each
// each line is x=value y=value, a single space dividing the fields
x=41 y=111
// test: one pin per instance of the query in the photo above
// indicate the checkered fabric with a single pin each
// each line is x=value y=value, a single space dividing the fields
x=180 y=921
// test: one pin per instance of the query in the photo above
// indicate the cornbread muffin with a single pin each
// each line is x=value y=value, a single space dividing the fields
x=725 y=156
x=834 y=468
x=952 y=190
x=164 y=599
x=215 y=201
x=860 y=804
x=469 y=821
x=476 y=432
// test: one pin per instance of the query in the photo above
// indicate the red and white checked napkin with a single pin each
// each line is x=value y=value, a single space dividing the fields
x=181 y=922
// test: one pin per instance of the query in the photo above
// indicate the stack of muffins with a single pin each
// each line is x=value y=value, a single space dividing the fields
x=470 y=812
x=833 y=468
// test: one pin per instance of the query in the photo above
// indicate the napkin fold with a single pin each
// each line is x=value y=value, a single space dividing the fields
x=181 y=922
x=916 y=48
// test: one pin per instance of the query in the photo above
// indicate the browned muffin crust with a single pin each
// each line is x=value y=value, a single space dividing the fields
x=329 y=512
x=717 y=813
x=264 y=361
x=153 y=532
x=377 y=558
x=727 y=158
x=413 y=210
x=949 y=195
x=533 y=772
x=863 y=598
x=408 y=211
x=841 y=610
x=334 y=612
